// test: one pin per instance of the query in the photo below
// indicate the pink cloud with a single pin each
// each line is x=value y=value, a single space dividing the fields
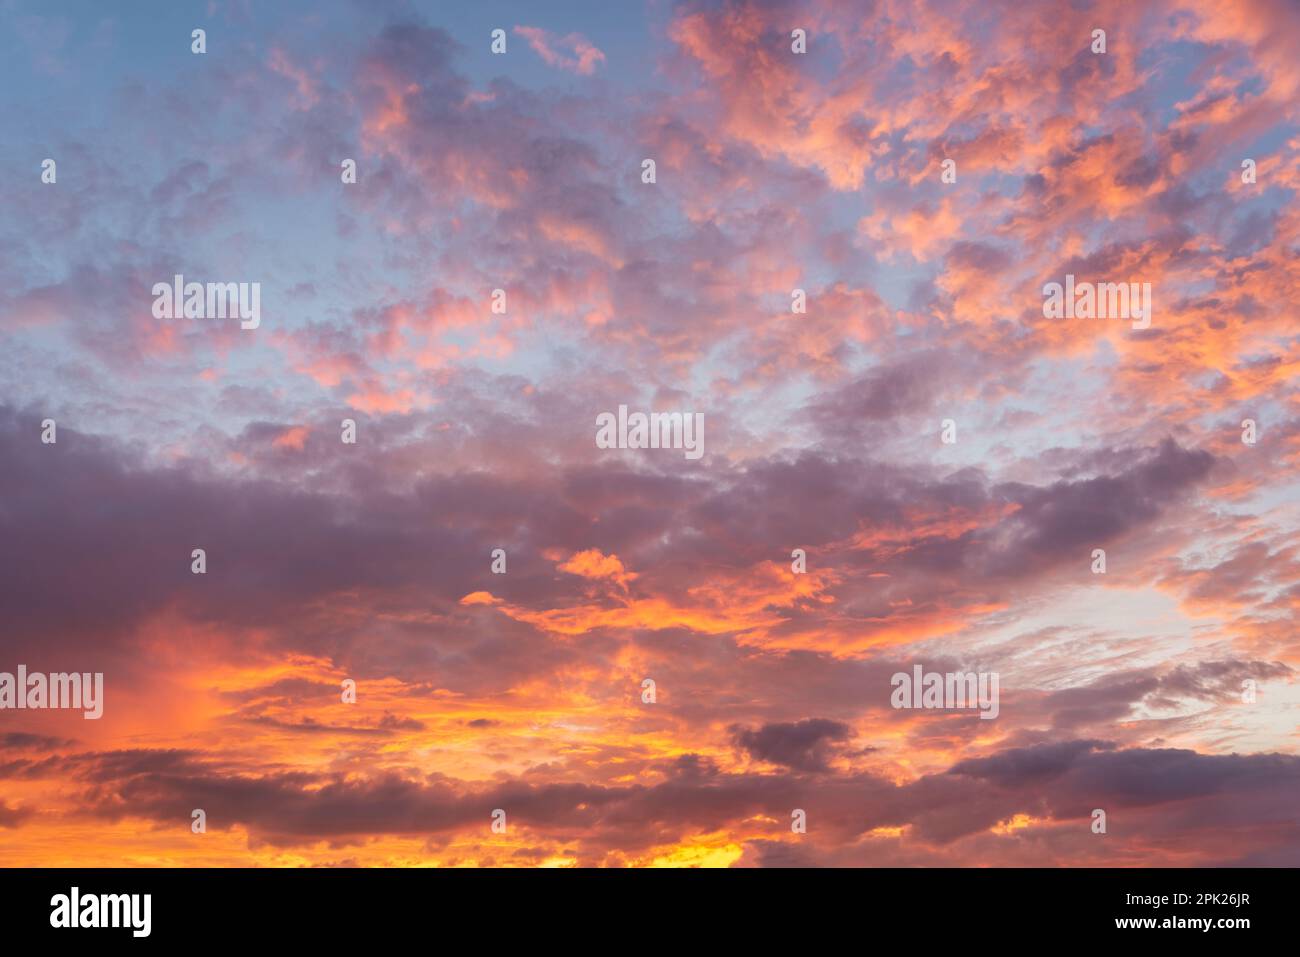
x=572 y=52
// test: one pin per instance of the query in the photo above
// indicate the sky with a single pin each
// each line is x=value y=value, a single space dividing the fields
x=671 y=660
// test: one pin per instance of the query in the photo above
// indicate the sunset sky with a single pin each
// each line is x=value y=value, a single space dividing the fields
x=475 y=431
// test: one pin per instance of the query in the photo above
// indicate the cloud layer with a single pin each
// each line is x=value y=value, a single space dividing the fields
x=1162 y=692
